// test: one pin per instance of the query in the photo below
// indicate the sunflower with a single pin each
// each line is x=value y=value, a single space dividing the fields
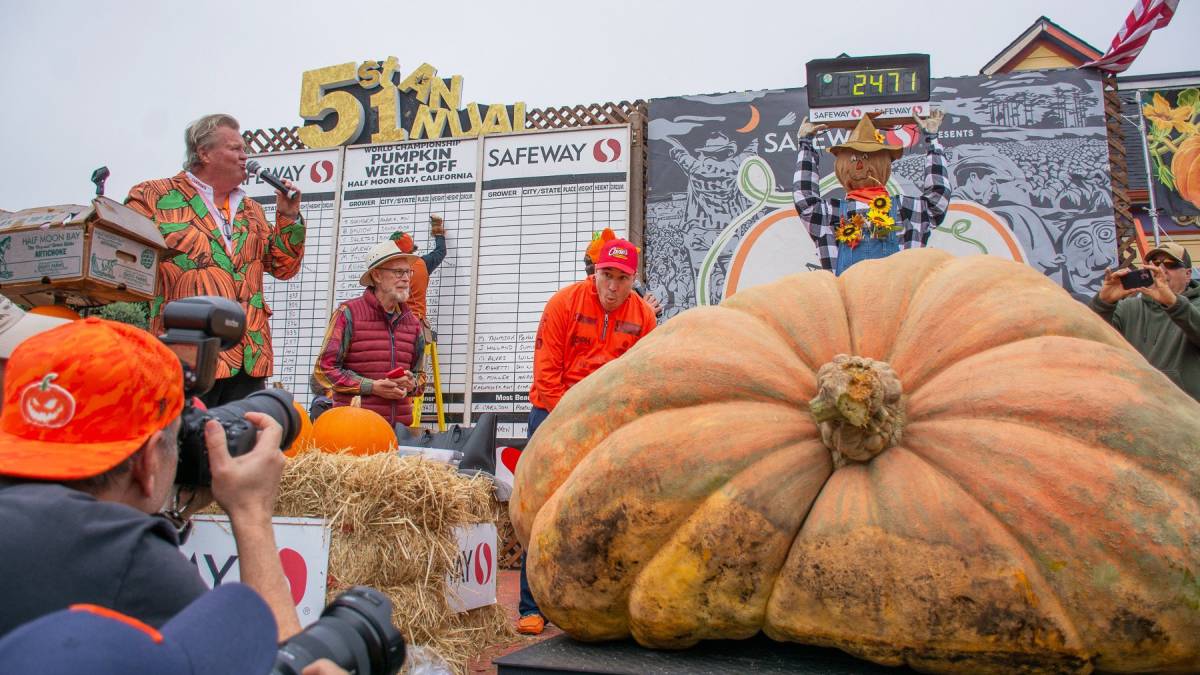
x=1165 y=117
x=849 y=232
x=879 y=137
x=881 y=203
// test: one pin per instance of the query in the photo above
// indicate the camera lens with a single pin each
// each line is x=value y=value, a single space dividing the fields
x=275 y=403
x=355 y=631
x=240 y=435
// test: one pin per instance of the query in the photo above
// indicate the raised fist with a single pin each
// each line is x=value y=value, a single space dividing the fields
x=436 y=228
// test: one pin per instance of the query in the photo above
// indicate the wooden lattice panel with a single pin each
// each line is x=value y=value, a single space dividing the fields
x=509 y=550
x=272 y=140
x=590 y=115
x=1127 y=249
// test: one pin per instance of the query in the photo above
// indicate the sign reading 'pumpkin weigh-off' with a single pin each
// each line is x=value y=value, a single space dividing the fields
x=371 y=102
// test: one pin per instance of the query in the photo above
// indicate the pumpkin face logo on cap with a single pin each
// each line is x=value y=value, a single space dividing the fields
x=45 y=404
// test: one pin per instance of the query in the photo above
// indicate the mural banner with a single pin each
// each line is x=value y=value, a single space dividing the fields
x=1028 y=164
x=1173 y=144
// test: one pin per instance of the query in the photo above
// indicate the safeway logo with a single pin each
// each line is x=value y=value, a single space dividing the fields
x=296 y=571
x=607 y=150
x=484 y=566
x=321 y=172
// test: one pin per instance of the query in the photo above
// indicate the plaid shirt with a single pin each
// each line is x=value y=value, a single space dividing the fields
x=917 y=215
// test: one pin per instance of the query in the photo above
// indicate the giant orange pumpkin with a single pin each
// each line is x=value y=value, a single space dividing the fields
x=939 y=461
x=1185 y=166
x=354 y=429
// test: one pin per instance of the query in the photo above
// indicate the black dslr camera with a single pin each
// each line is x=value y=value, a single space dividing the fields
x=355 y=631
x=198 y=329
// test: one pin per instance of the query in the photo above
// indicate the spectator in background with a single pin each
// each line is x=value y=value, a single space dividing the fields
x=375 y=335
x=584 y=326
x=223 y=245
x=88 y=451
x=16 y=325
x=423 y=266
x=1163 y=324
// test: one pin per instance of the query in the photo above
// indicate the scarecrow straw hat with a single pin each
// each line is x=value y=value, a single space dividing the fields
x=866 y=138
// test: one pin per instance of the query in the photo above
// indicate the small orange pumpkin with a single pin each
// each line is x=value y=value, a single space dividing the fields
x=305 y=438
x=1186 y=168
x=355 y=429
x=58 y=311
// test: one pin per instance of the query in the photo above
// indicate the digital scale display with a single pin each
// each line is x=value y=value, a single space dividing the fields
x=891 y=86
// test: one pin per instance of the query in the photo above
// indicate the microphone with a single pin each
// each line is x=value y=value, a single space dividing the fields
x=255 y=169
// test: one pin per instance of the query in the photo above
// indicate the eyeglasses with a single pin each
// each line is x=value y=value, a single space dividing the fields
x=398 y=271
x=1167 y=264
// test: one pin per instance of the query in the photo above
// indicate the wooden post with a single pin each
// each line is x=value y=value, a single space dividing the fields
x=1127 y=246
x=637 y=181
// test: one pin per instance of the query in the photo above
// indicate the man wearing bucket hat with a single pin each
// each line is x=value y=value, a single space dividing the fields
x=869 y=222
x=226 y=630
x=583 y=327
x=373 y=343
x=1164 y=323
x=88 y=451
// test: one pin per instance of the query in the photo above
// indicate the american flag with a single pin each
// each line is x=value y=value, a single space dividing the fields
x=1146 y=17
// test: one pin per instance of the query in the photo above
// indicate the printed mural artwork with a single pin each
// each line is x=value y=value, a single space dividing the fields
x=1173 y=143
x=1028 y=162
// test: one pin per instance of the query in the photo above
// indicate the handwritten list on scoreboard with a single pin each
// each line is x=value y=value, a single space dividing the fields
x=300 y=306
x=542 y=197
x=396 y=187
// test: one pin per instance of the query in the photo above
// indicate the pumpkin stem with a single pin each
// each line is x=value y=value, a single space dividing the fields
x=356 y=402
x=45 y=385
x=858 y=407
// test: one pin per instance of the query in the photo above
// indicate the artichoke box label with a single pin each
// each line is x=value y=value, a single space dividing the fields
x=118 y=260
x=303 y=550
x=31 y=255
x=472 y=582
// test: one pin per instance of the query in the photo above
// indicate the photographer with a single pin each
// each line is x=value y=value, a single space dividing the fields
x=88 y=452
x=1164 y=323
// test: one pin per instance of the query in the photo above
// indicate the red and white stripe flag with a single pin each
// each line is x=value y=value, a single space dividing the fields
x=1146 y=17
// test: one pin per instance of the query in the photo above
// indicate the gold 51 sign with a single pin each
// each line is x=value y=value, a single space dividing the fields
x=368 y=102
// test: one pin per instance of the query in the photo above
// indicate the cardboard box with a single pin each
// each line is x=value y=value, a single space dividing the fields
x=79 y=255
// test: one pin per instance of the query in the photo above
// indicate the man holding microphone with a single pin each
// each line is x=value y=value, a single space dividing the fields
x=225 y=244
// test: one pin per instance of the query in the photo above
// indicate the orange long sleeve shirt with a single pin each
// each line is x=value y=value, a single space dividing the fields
x=576 y=336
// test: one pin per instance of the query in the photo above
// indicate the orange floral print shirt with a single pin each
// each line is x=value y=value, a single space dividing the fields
x=202 y=265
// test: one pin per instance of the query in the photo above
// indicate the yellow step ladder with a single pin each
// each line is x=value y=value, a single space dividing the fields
x=431 y=354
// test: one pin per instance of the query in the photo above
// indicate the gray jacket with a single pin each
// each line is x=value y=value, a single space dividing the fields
x=1168 y=337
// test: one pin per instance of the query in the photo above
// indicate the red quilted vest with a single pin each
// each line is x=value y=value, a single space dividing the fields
x=380 y=342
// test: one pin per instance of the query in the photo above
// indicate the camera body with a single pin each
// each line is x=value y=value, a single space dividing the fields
x=355 y=631
x=198 y=330
x=1139 y=278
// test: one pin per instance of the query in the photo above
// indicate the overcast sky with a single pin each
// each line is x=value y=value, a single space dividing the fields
x=114 y=83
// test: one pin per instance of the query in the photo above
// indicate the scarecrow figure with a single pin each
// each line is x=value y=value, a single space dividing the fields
x=869 y=222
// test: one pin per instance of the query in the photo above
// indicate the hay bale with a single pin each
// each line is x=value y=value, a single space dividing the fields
x=392 y=523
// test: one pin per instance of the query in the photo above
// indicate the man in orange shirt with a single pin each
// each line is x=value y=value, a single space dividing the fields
x=583 y=327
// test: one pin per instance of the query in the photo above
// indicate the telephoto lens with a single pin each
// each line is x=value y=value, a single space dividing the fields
x=240 y=435
x=355 y=631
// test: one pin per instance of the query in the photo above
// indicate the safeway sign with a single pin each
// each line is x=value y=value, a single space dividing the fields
x=472 y=582
x=303 y=549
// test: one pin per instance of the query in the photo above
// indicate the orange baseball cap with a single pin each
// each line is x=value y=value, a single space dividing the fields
x=81 y=398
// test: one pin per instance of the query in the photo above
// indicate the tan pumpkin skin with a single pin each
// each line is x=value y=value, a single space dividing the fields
x=1185 y=166
x=1039 y=513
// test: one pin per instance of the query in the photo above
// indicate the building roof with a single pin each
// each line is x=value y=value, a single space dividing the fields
x=1042 y=39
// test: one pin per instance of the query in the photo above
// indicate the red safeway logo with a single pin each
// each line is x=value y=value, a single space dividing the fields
x=607 y=150
x=296 y=571
x=321 y=172
x=483 y=563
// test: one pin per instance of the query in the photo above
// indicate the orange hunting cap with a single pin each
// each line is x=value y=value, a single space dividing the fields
x=81 y=398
